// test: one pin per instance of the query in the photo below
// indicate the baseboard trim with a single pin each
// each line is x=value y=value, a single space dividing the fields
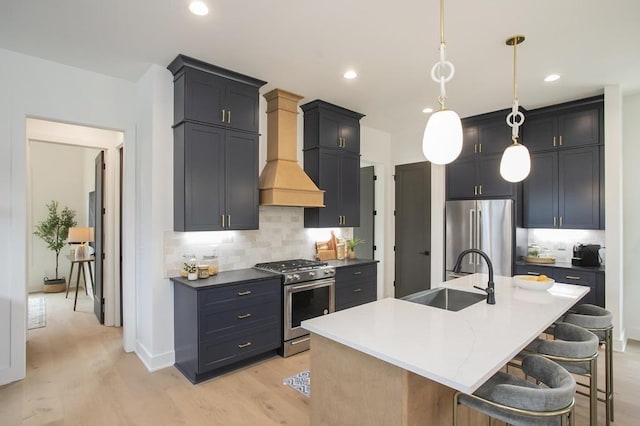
x=620 y=344
x=154 y=362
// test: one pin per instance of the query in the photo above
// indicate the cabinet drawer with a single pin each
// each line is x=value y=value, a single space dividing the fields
x=356 y=272
x=239 y=295
x=588 y=279
x=355 y=285
x=220 y=352
x=240 y=318
x=534 y=270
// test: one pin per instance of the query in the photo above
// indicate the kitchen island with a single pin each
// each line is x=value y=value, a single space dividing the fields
x=395 y=362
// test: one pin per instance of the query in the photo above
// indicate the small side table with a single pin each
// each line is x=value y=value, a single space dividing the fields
x=80 y=262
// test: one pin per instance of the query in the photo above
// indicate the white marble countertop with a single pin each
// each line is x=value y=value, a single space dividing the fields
x=457 y=349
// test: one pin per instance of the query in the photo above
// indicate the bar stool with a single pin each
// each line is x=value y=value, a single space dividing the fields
x=575 y=349
x=600 y=322
x=519 y=402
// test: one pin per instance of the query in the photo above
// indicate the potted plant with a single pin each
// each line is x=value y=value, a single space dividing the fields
x=351 y=246
x=54 y=230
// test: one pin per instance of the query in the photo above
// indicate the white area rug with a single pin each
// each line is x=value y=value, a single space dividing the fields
x=300 y=382
x=37 y=312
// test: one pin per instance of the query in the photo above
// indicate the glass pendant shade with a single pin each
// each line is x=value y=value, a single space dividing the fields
x=442 y=141
x=516 y=163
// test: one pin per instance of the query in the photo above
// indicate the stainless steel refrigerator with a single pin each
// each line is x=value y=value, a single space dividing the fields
x=487 y=225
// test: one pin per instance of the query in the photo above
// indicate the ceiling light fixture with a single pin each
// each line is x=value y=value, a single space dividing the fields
x=442 y=140
x=350 y=75
x=427 y=110
x=551 y=77
x=198 y=8
x=515 y=164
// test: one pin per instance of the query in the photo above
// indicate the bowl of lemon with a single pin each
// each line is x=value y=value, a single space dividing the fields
x=530 y=282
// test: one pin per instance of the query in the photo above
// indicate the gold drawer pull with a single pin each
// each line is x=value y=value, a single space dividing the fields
x=357 y=273
x=533 y=273
x=357 y=290
x=244 y=316
x=244 y=345
x=572 y=277
x=244 y=293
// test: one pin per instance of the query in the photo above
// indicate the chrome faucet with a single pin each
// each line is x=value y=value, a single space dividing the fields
x=490 y=290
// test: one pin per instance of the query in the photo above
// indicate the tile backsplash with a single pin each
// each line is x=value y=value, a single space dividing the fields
x=281 y=236
x=559 y=242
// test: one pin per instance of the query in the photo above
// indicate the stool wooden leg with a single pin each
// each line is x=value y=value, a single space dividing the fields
x=75 y=302
x=69 y=281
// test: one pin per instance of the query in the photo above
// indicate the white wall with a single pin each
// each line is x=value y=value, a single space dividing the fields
x=57 y=172
x=31 y=87
x=631 y=225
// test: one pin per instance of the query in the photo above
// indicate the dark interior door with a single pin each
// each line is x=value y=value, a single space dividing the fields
x=98 y=296
x=413 y=228
x=367 y=214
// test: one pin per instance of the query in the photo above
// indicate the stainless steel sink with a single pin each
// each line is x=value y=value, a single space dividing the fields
x=445 y=298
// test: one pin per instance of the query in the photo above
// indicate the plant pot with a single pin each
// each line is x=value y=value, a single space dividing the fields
x=351 y=254
x=55 y=285
x=192 y=276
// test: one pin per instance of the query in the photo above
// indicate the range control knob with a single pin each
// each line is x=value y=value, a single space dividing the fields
x=312 y=274
x=288 y=278
x=296 y=277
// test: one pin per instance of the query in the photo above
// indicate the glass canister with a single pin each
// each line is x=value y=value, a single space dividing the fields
x=189 y=266
x=210 y=259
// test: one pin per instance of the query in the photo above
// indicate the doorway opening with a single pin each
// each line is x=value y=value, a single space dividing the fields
x=63 y=166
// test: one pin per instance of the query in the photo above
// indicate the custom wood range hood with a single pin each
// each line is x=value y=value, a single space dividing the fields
x=282 y=181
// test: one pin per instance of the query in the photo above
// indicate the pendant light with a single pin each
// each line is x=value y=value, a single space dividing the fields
x=442 y=141
x=516 y=162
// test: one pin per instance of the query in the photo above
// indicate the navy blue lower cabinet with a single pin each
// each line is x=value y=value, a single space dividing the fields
x=220 y=328
x=355 y=285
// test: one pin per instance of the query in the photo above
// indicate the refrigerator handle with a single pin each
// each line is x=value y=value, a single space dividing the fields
x=479 y=235
x=472 y=224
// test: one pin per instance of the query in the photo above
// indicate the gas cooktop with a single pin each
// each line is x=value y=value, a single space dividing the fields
x=294 y=265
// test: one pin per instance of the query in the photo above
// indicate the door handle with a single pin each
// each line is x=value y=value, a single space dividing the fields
x=426 y=252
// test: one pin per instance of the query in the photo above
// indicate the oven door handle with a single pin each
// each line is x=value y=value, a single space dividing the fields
x=316 y=284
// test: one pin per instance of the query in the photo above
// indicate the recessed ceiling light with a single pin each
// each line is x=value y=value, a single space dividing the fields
x=427 y=110
x=350 y=75
x=551 y=77
x=198 y=8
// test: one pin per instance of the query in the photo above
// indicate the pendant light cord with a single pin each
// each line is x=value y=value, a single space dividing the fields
x=443 y=64
x=516 y=117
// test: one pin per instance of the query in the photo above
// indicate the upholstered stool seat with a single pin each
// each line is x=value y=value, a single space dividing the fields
x=517 y=401
x=600 y=322
x=575 y=349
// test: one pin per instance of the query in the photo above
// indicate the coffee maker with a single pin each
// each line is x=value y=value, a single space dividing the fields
x=586 y=255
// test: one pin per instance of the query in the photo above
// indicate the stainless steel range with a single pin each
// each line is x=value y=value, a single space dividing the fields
x=308 y=292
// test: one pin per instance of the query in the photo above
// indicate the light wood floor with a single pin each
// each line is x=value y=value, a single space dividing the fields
x=77 y=374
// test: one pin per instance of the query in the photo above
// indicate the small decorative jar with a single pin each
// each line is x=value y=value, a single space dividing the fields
x=203 y=271
x=211 y=261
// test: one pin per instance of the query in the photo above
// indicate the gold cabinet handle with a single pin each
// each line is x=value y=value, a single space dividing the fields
x=344 y=220
x=244 y=293
x=480 y=190
x=560 y=140
x=244 y=345
x=228 y=221
x=475 y=189
x=229 y=116
x=222 y=220
x=223 y=115
x=480 y=148
x=554 y=141
x=244 y=316
x=560 y=221
x=475 y=148
x=357 y=273
x=554 y=221
x=357 y=290
x=572 y=277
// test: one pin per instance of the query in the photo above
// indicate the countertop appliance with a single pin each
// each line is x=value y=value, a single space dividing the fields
x=586 y=255
x=308 y=292
x=486 y=225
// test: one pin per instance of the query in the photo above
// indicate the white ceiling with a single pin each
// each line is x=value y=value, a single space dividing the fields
x=305 y=46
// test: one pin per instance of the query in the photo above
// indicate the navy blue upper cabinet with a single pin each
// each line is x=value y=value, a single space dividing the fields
x=476 y=173
x=215 y=147
x=569 y=125
x=332 y=161
x=209 y=94
x=565 y=187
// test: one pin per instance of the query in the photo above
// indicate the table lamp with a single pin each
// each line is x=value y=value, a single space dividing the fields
x=80 y=235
